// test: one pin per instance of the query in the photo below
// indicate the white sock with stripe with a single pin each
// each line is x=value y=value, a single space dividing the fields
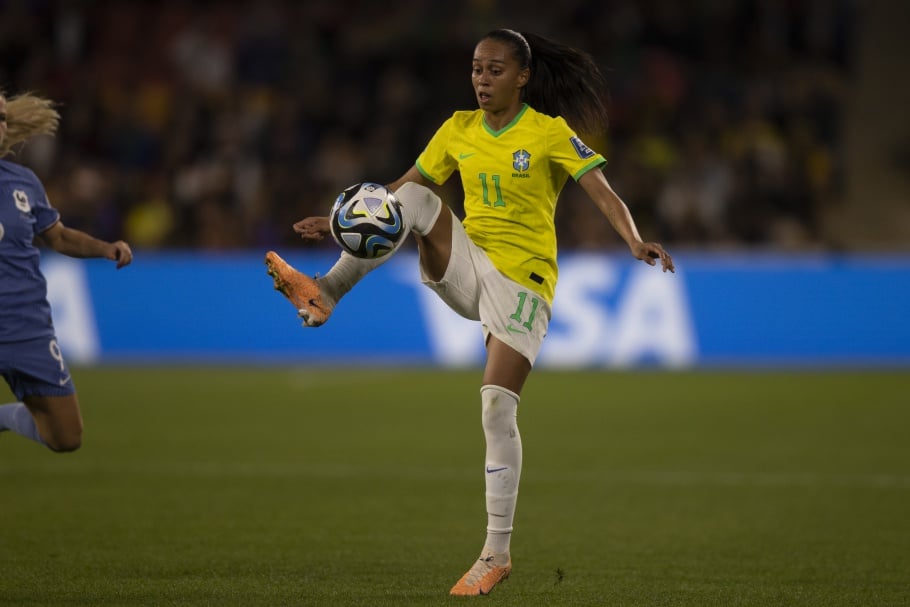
x=502 y=468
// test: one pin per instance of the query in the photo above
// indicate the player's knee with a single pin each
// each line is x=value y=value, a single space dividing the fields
x=499 y=409
x=65 y=440
x=65 y=445
x=421 y=207
x=414 y=193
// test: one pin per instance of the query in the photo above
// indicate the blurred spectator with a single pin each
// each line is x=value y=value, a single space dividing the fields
x=214 y=125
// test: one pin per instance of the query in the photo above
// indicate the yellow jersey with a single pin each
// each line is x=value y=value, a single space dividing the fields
x=511 y=180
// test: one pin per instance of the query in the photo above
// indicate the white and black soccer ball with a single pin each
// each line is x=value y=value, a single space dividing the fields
x=366 y=221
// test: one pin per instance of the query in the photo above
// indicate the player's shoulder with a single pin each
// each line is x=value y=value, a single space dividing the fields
x=14 y=169
x=545 y=122
x=465 y=118
x=531 y=114
x=535 y=123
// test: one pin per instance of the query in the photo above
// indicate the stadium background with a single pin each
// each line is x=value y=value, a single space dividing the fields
x=214 y=125
x=737 y=129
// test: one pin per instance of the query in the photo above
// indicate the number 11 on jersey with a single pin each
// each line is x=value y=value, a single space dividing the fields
x=499 y=202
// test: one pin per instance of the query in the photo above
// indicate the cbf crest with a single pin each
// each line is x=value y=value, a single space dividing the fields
x=21 y=199
x=521 y=160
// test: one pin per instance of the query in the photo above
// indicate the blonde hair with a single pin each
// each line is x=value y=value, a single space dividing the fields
x=27 y=115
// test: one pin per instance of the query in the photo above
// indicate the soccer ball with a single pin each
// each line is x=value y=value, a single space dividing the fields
x=366 y=221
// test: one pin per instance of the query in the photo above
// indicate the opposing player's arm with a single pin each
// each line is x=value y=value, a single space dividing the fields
x=76 y=243
x=616 y=211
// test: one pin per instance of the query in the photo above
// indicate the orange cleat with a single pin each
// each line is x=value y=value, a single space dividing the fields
x=300 y=289
x=483 y=576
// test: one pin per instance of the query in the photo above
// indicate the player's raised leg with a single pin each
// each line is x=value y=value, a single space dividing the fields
x=315 y=297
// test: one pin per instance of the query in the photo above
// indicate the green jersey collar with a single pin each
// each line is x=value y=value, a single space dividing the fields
x=486 y=127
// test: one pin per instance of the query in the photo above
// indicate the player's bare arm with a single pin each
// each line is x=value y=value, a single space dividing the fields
x=75 y=243
x=411 y=175
x=616 y=211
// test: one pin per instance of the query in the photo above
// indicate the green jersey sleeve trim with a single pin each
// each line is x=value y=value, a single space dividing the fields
x=424 y=173
x=593 y=164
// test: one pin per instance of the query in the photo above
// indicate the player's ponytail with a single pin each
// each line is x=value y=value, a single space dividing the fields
x=564 y=80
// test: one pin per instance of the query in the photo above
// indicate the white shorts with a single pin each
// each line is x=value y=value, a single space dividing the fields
x=475 y=289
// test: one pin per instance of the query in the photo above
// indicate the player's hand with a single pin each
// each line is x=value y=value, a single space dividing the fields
x=648 y=252
x=312 y=229
x=121 y=253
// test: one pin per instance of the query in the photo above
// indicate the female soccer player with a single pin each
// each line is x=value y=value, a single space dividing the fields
x=30 y=359
x=515 y=153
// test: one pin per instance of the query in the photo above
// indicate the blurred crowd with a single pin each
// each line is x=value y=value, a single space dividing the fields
x=216 y=125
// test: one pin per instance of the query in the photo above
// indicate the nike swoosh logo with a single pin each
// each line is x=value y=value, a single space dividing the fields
x=492 y=470
x=464 y=156
x=65 y=380
x=514 y=330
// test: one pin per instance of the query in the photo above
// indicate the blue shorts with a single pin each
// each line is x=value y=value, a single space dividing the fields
x=35 y=368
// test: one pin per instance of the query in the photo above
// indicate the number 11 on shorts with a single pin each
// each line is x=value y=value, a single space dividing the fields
x=519 y=312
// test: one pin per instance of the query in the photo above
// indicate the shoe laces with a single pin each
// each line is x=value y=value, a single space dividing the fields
x=482 y=567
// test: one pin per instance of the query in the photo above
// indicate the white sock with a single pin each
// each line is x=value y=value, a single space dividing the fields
x=420 y=209
x=503 y=464
x=16 y=417
x=346 y=273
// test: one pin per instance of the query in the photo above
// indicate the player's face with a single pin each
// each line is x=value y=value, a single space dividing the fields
x=497 y=77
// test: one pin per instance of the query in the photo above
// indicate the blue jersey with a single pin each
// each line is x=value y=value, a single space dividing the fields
x=25 y=212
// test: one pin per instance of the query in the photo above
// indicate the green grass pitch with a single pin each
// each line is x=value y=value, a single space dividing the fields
x=235 y=486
